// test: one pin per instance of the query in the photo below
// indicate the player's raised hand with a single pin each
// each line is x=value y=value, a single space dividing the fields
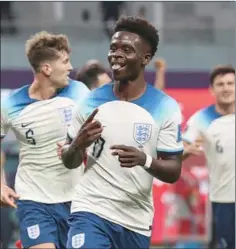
x=128 y=156
x=90 y=131
x=195 y=148
x=8 y=196
x=160 y=64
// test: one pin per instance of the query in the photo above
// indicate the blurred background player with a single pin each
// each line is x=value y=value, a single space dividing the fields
x=215 y=125
x=39 y=115
x=121 y=212
x=93 y=74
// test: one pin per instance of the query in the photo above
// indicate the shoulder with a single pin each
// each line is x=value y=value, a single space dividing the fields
x=17 y=95
x=94 y=99
x=16 y=100
x=99 y=96
x=75 y=90
x=162 y=106
x=205 y=116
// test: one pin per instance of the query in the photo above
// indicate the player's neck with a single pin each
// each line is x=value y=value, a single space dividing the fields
x=131 y=90
x=41 y=89
x=225 y=109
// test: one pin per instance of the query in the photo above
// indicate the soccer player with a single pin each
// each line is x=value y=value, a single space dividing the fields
x=39 y=115
x=93 y=74
x=130 y=133
x=215 y=124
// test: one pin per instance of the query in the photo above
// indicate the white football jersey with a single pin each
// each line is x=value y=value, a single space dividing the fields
x=218 y=133
x=124 y=195
x=38 y=126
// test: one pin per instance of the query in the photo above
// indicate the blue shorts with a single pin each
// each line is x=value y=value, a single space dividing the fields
x=224 y=219
x=43 y=223
x=90 y=231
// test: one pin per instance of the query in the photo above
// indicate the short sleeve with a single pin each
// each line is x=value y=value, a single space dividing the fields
x=192 y=131
x=77 y=121
x=4 y=120
x=170 y=139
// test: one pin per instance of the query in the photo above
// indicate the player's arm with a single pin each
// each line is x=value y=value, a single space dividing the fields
x=194 y=148
x=4 y=130
x=72 y=156
x=160 y=71
x=192 y=138
x=3 y=179
x=80 y=136
x=8 y=195
x=167 y=166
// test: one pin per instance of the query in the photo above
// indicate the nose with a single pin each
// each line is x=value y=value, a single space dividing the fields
x=117 y=53
x=226 y=87
x=70 y=68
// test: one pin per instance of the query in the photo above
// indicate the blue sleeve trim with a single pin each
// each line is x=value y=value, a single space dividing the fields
x=171 y=152
x=187 y=140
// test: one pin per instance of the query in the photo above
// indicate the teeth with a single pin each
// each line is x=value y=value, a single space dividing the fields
x=116 y=66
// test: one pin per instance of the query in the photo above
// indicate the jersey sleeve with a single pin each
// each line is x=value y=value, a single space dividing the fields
x=4 y=119
x=77 y=90
x=170 y=139
x=77 y=121
x=193 y=130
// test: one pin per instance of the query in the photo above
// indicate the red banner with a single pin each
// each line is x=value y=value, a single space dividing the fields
x=181 y=209
x=191 y=100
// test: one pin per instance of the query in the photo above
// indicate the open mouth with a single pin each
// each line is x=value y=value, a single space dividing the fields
x=117 y=67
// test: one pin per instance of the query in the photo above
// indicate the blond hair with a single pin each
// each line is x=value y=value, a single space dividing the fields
x=45 y=46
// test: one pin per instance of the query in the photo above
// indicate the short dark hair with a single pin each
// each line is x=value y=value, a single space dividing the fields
x=89 y=73
x=140 y=27
x=221 y=70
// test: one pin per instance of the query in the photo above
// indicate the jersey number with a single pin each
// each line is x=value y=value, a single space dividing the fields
x=219 y=148
x=29 y=136
x=98 y=147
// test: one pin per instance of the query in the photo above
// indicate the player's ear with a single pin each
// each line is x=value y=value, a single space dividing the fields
x=46 y=69
x=211 y=90
x=146 y=59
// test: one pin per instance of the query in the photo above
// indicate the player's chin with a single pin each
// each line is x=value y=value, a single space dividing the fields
x=65 y=83
x=119 y=75
x=227 y=100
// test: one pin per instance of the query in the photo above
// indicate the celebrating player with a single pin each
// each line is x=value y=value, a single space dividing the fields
x=130 y=133
x=39 y=114
x=216 y=126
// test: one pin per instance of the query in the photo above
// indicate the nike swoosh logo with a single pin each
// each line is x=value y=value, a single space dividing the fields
x=26 y=124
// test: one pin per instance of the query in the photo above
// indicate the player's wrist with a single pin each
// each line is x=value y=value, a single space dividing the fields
x=77 y=145
x=148 y=162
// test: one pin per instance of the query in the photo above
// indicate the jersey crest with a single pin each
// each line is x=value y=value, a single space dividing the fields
x=142 y=132
x=66 y=114
x=33 y=231
x=78 y=240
